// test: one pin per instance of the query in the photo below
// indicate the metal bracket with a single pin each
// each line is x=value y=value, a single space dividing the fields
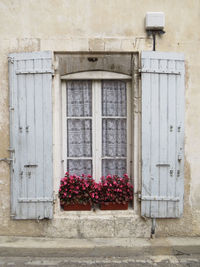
x=153 y=228
x=12 y=150
x=31 y=71
x=11 y=59
x=160 y=198
x=7 y=160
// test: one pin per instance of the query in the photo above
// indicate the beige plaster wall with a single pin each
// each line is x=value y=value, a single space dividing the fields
x=103 y=25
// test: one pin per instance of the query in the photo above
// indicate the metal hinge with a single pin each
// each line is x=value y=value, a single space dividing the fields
x=160 y=198
x=38 y=71
x=11 y=59
x=7 y=160
x=34 y=200
x=10 y=149
x=157 y=71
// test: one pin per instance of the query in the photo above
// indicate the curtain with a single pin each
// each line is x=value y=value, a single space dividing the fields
x=114 y=101
x=113 y=167
x=79 y=98
x=114 y=137
x=79 y=138
x=79 y=131
x=114 y=130
x=79 y=167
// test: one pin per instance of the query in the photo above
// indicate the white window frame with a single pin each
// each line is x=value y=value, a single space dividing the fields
x=97 y=77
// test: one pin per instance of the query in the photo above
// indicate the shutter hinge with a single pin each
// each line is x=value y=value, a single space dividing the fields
x=12 y=215
x=12 y=150
x=160 y=198
x=11 y=59
x=139 y=196
x=7 y=160
x=158 y=71
x=34 y=71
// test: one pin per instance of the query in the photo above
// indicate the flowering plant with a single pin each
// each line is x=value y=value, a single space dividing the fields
x=115 y=189
x=78 y=189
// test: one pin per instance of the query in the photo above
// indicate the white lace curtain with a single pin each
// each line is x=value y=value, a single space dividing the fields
x=114 y=127
x=79 y=130
x=114 y=139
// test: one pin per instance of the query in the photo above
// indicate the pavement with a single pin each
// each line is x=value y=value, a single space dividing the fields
x=37 y=251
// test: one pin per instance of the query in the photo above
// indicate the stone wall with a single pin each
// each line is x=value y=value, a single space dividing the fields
x=92 y=25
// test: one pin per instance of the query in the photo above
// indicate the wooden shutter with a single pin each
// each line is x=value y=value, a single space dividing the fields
x=162 y=134
x=30 y=77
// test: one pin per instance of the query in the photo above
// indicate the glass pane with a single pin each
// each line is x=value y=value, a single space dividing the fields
x=79 y=98
x=79 y=137
x=114 y=137
x=79 y=167
x=114 y=101
x=113 y=167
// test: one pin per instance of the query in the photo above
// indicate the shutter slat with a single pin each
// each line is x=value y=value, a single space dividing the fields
x=162 y=139
x=22 y=139
x=39 y=94
x=146 y=120
x=180 y=135
x=154 y=136
x=47 y=122
x=171 y=186
x=163 y=136
x=31 y=135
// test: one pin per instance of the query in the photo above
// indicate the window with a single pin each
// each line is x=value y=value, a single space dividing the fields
x=96 y=124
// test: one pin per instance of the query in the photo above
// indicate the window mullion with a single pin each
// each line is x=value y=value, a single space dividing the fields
x=97 y=129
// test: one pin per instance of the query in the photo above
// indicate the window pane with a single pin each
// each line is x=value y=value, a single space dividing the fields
x=79 y=167
x=114 y=101
x=113 y=167
x=79 y=98
x=114 y=137
x=79 y=137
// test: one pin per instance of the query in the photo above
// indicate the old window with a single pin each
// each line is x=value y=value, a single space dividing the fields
x=96 y=124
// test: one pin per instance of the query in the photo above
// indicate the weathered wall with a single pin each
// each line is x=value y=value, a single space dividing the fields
x=94 y=25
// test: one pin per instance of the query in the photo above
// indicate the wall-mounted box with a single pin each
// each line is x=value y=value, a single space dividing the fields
x=155 y=21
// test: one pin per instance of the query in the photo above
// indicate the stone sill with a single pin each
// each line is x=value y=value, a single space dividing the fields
x=96 y=213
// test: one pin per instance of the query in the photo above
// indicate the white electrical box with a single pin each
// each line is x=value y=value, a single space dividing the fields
x=155 y=21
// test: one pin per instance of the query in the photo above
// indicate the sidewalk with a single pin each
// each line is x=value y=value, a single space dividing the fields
x=99 y=247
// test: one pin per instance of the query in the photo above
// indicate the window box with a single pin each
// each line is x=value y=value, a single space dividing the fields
x=77 y=206
x=113 y=206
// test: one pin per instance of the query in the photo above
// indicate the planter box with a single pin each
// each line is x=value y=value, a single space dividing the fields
x=71 y=207
x=113 y=206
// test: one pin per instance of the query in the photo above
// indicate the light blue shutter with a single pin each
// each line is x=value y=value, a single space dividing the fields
x=30 y=77
x=162 y=134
